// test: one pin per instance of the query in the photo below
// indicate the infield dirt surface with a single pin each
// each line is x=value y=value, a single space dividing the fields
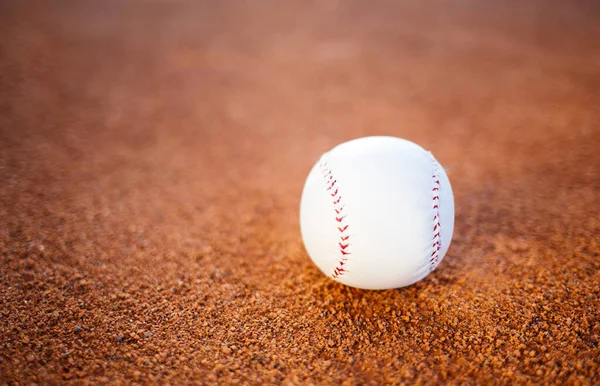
x=152 y=157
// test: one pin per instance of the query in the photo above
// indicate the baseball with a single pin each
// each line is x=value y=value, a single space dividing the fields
x=377 y=213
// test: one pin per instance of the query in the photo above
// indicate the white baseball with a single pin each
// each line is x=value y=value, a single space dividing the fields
x=377 y=213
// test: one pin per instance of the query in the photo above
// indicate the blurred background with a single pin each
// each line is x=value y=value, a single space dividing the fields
x=152 y=156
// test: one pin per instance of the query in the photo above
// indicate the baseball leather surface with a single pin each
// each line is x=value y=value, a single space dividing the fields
x=377 y=213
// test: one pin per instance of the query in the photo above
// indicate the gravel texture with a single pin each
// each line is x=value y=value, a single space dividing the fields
x=152 y=156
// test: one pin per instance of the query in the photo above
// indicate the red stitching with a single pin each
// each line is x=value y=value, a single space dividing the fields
x=338 y=206
x=437 y=226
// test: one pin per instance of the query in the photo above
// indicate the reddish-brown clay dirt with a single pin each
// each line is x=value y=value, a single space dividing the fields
x=152 y=157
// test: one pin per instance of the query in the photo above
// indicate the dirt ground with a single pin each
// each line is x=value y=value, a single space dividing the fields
x=152 y=157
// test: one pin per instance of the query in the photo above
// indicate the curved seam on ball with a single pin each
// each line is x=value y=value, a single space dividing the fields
x=434 y=259
x=340 y=218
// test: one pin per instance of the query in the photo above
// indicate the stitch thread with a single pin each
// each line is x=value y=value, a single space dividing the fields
x=437 y=226
x=340 y=218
